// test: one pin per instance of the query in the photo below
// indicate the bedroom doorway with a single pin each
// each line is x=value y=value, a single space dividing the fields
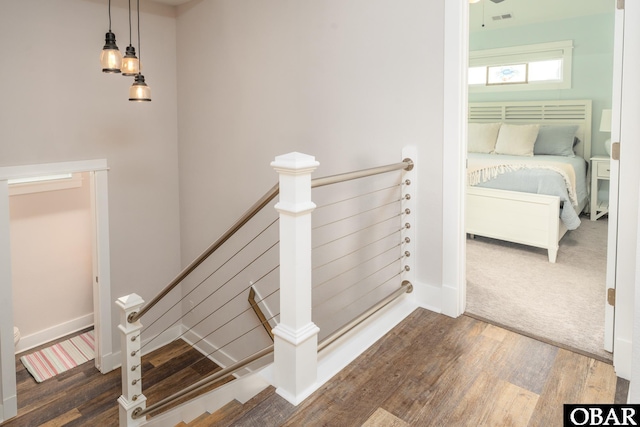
x=584 y=250
x=96 y=170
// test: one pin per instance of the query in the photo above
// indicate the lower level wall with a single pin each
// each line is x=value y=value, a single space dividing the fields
x=51 y=262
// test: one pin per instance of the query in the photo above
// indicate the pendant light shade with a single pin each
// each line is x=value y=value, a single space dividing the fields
x=130 y=63
x=110 y=58
x=139 y=90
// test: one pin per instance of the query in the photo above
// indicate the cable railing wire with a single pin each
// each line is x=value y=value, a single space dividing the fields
x=356 y=196
x=357 y=265
x=357 y=231
x=370 y=291
x=357 y=214
x=231 y=299
x=359 y=281
x=146 y=327
x=262 y=323
x=212 y=293
x=317 y=267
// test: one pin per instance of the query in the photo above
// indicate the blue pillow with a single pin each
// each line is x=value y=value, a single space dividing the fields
x=556 y=140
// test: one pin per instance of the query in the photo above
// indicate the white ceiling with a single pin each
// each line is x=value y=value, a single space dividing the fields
x=532 y=11
x=523 y=11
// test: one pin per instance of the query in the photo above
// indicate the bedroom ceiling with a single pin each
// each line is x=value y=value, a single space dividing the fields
x=524 y=12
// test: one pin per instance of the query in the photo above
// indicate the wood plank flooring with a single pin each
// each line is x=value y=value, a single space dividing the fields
x=84 y=397
x=431 y=370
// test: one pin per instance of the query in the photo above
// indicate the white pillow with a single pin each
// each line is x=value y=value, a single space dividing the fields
x=482 y=137
x=517 y=140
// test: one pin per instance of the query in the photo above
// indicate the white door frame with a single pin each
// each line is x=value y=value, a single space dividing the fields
x=454 y=108
x=102 y=311
x=612 y=239
x=456 y=54
x=626 y=273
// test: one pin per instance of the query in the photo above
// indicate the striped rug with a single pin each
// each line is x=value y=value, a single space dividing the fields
x=61 y=357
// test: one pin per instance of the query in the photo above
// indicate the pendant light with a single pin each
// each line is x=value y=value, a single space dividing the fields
x=110 y=58
x=130 y=63
x=139 y=90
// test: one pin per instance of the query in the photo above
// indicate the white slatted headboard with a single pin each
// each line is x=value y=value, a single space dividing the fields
x=543 y=112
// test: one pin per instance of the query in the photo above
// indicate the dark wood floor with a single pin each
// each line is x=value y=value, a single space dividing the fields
x=84 y=397
x=431 y=370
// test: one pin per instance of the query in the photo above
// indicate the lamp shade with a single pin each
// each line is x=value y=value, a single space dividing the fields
x=139 y=90
x=110 y=57
x=605 y=121
x=130 y=63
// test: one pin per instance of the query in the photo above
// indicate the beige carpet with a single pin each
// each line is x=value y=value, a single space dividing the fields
x=563 y=303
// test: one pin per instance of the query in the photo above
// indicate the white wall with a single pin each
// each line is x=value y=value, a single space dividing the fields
x=348 y=82
x=58 y=106
x=51 y=262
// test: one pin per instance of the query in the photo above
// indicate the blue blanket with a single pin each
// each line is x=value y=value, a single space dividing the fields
x=543 y=181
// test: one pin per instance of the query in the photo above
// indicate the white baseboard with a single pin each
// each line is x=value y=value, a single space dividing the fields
x=8 y=408
x=54 y=332
x=450 y=301
x=110 y=362
x=622 y=362
x=427 y=296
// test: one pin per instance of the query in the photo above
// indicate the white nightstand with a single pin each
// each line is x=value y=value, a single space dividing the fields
x=600 y=171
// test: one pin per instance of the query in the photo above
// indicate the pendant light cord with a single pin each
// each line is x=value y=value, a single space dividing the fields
x=139 y=47
x=129 y=22
x=109 y=15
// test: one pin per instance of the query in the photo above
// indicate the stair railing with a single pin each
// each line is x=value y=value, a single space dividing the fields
x=295 y=336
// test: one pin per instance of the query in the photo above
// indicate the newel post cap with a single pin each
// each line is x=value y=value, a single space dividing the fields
x=298 y=162
x=130 y=301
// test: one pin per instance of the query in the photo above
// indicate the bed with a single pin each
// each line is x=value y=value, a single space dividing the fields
x=528 y=218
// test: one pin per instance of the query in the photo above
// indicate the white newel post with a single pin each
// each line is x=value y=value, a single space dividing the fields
x=132 y=397
x=296 y=336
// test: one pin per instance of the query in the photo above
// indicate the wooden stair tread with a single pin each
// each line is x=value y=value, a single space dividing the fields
x=230 y=412
x=231 y=409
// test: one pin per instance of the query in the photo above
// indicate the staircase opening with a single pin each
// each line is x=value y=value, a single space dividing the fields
x=233 y=300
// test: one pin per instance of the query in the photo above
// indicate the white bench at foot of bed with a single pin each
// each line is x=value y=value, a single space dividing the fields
x=525 y=218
